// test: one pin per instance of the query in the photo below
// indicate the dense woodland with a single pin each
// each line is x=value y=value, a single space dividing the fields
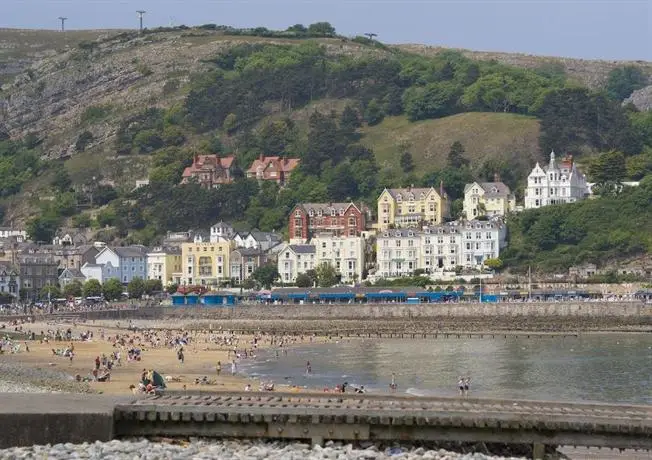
x=243 y=106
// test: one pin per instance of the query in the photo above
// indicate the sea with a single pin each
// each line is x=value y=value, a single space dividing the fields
x=614 y=368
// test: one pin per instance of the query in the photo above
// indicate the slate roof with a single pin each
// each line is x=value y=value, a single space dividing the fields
x=130 y=251
x=302 y=248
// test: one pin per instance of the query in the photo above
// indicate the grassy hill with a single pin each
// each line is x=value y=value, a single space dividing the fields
x=484 y=136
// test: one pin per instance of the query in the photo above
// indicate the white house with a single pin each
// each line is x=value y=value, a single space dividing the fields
x=481 y=240
x=295 y=259
x=222 y=232
x=7 y=232
x=440 y=248
x=555 y=183
x=262 y=241
x=488 y=199
x=346 y=255
x=9 y=280
x=93 y=272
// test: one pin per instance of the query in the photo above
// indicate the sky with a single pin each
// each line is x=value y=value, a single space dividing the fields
x=595 y=29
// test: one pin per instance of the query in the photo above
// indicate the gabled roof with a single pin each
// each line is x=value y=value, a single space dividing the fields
x=405 y=192
x=72 y=273
x=248 y=251
x=280 y=163
x=208 y=163
x=326 y=208
x=491 y=189
x=126 y=251
x=264 y=236
x=302 y=248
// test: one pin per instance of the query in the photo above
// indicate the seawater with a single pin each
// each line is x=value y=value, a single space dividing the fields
x=592 y=367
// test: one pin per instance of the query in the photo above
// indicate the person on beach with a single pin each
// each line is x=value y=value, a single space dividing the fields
x=218 y=368
x=392 y=386
x=460 y=384
x=180 y=356
x=308 y=368
x=234 y=367
x=467 y=384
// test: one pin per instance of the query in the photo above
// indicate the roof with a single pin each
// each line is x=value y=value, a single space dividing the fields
x=208 y=163
x=491 y=189
x=394 y=192
x=281 y=163
x=265 y=236
x=130 y=251
x=248 y=251
x=326 y=208
x=302 y=248
x=73 y=272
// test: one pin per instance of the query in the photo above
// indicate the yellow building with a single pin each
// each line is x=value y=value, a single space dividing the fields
x=164 y=264
x=488 y=199
x=412 y=207
x=205 y=263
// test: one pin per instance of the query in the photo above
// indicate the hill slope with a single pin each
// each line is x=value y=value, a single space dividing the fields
x=485 y=136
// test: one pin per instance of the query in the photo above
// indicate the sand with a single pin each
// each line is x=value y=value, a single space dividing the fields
x=200 y=359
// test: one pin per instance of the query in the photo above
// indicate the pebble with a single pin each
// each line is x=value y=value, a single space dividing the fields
x=142 y=449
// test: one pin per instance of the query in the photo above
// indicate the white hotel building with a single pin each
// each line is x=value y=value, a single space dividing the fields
x=555 y=183
x=440 y=248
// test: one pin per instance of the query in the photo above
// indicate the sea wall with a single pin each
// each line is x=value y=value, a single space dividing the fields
x=405 y=311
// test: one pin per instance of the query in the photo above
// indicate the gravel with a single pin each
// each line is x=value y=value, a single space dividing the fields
x=240 y=450
x=15 y=378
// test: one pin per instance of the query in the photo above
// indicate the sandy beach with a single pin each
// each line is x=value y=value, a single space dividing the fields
x=201 y=355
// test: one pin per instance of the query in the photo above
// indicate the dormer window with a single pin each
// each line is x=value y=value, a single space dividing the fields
x=341 y=212
x=399 y=197
x=398 y=233
x=320 y=213
x=297 y=213
x=410 y=233
x=311 y=213
x=332 y=213
x=422 y=196
x=411 y=196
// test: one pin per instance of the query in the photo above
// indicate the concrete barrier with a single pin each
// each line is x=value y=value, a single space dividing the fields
x=27 y=418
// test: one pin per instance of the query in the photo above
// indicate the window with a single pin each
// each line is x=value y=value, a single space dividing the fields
x=205 y=266
x=352 y=222
x=297 y=213
x=398 y=243
x=332 y=213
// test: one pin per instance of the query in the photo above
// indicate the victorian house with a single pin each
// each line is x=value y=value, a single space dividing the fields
x=555 y=183
x=277 y=169
x=339 y=219
x=210 y=170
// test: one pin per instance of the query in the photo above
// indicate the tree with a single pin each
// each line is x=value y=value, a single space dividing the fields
x=136 y=288
x=303 y=280
x=152 y=286
x=321 y=29
x=494 y=263
x=266 y=275
x=608 y=167
x=456 y=157
x=42 y=228
x=73 y=289
x=83 y=141
x=113 y=289
x=51 y=289
x=92 y=288
x=326 y=275
x=230 y=124
x=374 y=113
x=172 y=288
x=61 y=180
x=623 y=81
x=406 y=162
x=349 y=122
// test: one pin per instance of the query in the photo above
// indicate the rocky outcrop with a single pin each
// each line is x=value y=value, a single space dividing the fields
x=641 y=98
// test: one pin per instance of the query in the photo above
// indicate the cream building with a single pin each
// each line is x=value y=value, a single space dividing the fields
x=412 y=207
x=205 y=263
x=438 y=248
x=558 y=182
x=490 y=199
x=164 y=264
x=346 y=255
x=295 y=259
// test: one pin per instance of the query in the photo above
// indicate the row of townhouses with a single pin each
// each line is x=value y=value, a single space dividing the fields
x=412 y=233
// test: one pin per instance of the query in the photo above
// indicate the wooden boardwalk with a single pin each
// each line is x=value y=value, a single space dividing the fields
x=350 y=417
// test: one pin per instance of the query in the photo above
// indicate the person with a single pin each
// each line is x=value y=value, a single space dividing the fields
x=393 y=386
x=460 y=384
x=467 y=384
x=234 y=367
x=180 y=356
x=247 y=387
x=219 y=368
x=308 y=368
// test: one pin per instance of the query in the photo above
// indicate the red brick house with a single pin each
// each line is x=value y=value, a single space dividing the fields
x=272 y=168
x=341 y=219
x=210 y=170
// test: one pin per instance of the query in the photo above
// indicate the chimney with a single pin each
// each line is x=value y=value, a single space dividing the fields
x=496 y=177
x=441 y=188
x=196 y=158
x=261 y=157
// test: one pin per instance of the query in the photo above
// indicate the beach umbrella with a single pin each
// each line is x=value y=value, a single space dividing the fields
x=158 y=380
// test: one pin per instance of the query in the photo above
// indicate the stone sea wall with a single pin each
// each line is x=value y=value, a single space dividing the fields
x=405 y=311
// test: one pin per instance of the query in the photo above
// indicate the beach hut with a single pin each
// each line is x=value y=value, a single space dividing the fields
x=214 y=299
x=178 y=299
x=192 y=298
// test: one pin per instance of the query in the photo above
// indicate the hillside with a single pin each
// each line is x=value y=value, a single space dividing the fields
x=90 y=113
x=485 y=136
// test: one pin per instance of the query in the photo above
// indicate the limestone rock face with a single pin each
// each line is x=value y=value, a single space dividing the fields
x=641 y=98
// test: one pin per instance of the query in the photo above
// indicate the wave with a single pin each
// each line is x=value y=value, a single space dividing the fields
x=416 y=392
